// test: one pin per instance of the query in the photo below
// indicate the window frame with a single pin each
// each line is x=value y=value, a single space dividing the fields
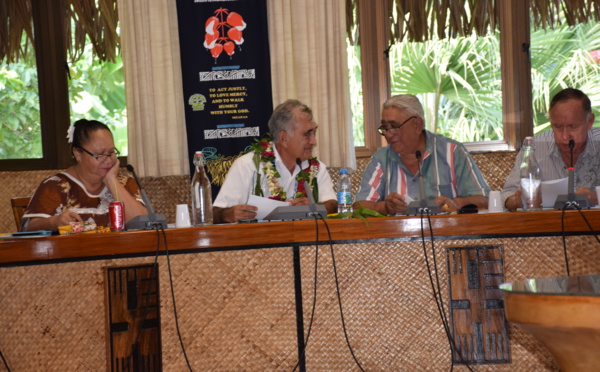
x=517 y=109
x=53 y=88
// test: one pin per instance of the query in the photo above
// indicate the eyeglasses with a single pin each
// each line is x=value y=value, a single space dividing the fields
x=383 y=130
x=101 y=157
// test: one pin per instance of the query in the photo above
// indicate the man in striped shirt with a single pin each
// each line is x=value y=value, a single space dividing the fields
x=571 y=118
x=391 y=179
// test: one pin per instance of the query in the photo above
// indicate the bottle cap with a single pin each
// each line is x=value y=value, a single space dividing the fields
x=343 y=171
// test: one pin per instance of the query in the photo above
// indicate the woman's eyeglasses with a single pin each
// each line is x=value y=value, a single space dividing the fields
x=101 y=157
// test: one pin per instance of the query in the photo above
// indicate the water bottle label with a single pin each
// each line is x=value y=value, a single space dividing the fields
x=344 y=197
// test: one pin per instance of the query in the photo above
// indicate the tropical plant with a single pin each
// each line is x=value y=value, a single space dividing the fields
x=20 y=133
x=562 y=58
x=96 y=91
x=459 y=82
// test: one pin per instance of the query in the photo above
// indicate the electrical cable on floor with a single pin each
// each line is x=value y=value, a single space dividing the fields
x=312 y=315
x=337 y=286
x=437 y=294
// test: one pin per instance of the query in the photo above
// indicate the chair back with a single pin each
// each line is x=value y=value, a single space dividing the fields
x=19 y=204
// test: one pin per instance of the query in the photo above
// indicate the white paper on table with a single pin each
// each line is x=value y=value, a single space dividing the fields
x=265 y=205
x=552 y=189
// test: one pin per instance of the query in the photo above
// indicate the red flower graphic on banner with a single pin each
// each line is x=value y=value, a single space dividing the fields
x=224 y=32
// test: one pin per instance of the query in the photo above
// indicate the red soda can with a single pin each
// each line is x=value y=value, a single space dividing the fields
x=116 y=212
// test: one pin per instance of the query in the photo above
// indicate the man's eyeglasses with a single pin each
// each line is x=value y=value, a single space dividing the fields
x=101 y=157
x=383 y=130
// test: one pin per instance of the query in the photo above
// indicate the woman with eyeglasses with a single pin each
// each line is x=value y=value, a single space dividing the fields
x=391 y=179
x=86 y=188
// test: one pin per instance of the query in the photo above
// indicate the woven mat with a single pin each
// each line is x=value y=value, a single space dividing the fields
x=236 y=309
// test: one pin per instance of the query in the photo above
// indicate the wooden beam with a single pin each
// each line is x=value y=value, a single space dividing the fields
x=516 y=71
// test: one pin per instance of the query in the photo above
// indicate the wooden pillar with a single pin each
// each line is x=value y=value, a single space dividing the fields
x=516 y=71
x=374 y=25
x=48 y=19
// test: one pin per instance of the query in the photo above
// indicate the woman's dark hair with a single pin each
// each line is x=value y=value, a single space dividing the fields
x=83 y=128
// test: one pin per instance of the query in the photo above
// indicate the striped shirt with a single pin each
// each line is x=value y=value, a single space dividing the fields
x=447 y=168
x=553 y=167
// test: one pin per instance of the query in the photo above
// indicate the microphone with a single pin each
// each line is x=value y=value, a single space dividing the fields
x=417 y=207
x=571 y=200
x=311 y=199
x=570 y=186
x=421 y=185
x=144 y=221
x=299 y=212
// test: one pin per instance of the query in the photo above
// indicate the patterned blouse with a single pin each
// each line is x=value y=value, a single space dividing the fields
x=62 y=192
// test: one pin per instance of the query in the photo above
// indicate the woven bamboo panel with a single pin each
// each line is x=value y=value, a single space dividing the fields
x=236 y=309
x=17 y=184
x=495 y=166
x=166 y=192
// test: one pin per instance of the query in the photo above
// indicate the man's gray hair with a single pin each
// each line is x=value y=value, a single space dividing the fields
x=283 y=119
x=406 y=102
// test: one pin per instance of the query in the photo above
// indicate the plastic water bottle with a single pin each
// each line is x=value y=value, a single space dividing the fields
x=531 y=181
x=202 y=213
x=344 y=192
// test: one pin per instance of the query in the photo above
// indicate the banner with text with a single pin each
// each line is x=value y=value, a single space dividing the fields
x=226 y=77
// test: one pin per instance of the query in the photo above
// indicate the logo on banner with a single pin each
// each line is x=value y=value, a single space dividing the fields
x=223 y=32
x=197 y=101
x=231 y=133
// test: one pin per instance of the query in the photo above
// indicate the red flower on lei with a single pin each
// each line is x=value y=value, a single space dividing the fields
x=264 y=157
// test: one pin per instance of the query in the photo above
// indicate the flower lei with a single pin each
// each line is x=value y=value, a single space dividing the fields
x=264 y=157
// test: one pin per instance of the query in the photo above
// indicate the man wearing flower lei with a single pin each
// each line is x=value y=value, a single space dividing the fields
x=270 y=170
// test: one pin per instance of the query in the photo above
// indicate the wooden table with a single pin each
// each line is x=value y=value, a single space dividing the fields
x=240 y=286
x=563 y=313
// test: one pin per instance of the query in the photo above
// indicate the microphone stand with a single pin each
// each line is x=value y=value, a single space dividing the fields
x=571 y=200
x=422 y=206
x=145 y=221
x=299 y=212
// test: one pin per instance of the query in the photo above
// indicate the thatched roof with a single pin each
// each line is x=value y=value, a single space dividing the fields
x=417 y=20
x=97 y=19
x=420 y=20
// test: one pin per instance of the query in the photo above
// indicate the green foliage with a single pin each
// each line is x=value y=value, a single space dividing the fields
x=96 y=91
x=356 y=94
x=459 y=82
x=560 y=59
x=20 y=132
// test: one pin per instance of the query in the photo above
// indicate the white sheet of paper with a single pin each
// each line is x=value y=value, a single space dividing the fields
x=552 y=189
x=265 y=205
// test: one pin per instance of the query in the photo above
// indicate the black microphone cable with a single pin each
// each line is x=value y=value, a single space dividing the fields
x=437 y=294
x=158 y=227
x=146 y=307
x=564 y=238
x=312 y=314
x=339 y=297
x=4 y=361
